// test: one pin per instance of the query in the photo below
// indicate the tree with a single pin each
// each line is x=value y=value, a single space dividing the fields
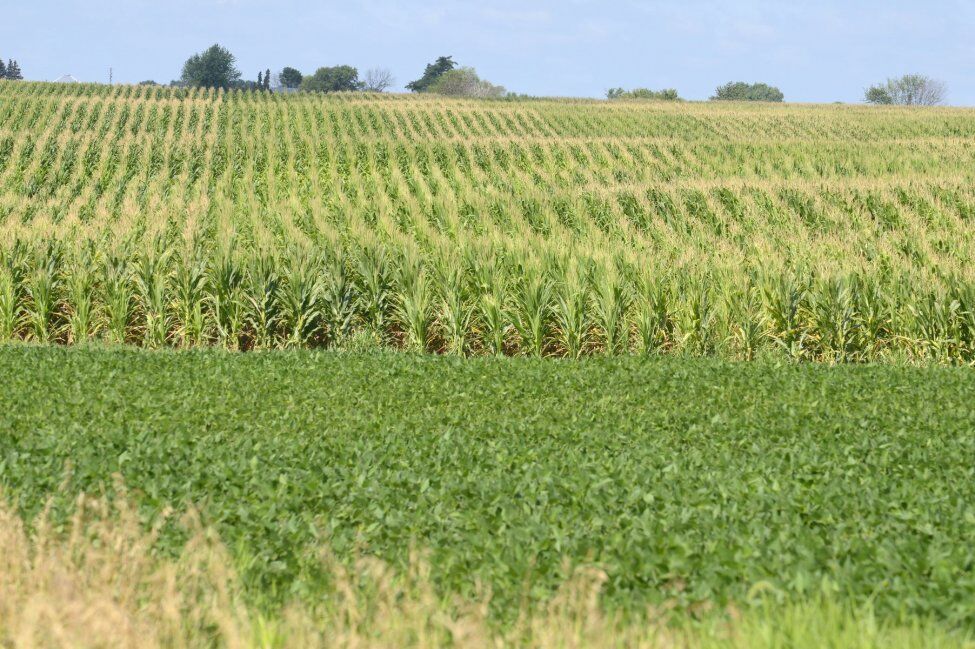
x=3 y=69
x=267 y=80
x=909 y=90
x=214 y=68
x=341 y=78
x=148 y=82
x=741 y=91
x=464 y=82
x=291 y=78
x=877 y=95
x=378 y=80
x=434 y=71
x=668 y=94
x=260 y=79
x=13 y=71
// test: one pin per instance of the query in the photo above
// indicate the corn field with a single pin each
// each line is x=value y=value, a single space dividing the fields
x=171 y=218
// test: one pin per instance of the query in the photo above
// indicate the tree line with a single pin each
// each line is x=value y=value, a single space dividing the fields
x=908 y=90
x=216 y=67
x=732 y=91
x=10 y=70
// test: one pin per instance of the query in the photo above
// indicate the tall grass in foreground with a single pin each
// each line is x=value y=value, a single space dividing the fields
x=97 y=582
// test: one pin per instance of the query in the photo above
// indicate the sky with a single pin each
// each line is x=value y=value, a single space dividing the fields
x=814 y=50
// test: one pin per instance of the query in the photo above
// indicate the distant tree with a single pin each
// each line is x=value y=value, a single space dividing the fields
x=246 y=84
x=668 y=94
x=741 y=91
x=877 y=95
x=464 y=82
x=340 y=78
x=378 y=80
x=148 y=82
x=13 y=71
x=909 y=90
x=434 y=71
x=291 y=78
x=267 y=79
x=214 y=68
x=3 y=69
x=260 y=79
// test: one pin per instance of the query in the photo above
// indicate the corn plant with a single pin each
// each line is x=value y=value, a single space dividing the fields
x=300 y=296
x=784 y=299
x=261 y=288
x=653 y=319
x=189 y=294
x=8 y=305
x=81 y=292
x=696 y=321
x=964 y=293
x=151 y=278
x=936 y=324
x=454 y=311
x=611 y=301
x=226 y=302
x=414 y=303
x=491 y=311
x=532 y=310
x=490 y=319
x=117 y=296
x=42 y=289
x=746 y=320
x=834 y=320
x=375 y=294
x=338 y=299
x=572 y=319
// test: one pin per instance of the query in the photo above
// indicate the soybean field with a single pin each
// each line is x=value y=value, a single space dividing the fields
x=689 y=483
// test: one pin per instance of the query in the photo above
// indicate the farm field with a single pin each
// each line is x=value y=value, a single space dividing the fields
x=691 y=484
x=159 y=217
x=375 y=370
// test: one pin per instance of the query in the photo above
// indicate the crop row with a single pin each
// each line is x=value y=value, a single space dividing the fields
x=160 y=217
x=471 y=301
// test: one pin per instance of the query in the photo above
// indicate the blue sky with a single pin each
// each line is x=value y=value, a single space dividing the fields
x=816 y=51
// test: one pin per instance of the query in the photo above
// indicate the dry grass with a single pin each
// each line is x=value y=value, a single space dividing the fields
x=96 y=582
